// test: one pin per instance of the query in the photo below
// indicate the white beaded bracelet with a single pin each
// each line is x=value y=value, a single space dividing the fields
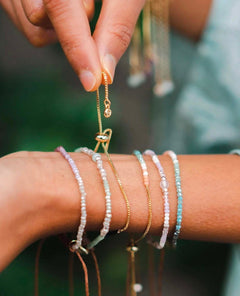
x=96 y=157
x=164 y=187
x=77 y=244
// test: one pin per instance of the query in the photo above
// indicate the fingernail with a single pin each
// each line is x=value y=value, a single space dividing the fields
x=88 y=80
x=109 y=65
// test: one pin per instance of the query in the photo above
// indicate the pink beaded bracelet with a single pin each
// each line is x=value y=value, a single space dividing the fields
x=164 y=187
x=77 y=244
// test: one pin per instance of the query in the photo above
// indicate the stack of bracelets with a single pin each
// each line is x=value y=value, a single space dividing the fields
x=80 y=246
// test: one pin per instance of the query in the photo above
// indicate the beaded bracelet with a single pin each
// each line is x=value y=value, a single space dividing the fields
x=77 y=244
x=146 y=184
x=96 y=157
x=164 y=187
x=179 y=196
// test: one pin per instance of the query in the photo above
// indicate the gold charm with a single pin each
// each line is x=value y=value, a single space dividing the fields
x=107 y=112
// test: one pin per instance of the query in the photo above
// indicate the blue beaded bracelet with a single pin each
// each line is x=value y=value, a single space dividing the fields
x=179 y=196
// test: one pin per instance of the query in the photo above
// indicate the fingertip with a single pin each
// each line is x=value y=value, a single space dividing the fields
x=36 y=13
x=89 y=80
x=109 y=65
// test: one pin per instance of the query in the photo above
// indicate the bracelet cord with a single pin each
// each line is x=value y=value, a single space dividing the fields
x=70 y=269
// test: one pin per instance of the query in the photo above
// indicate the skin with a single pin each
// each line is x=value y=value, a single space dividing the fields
x=189 y=17
x=46 y=21
x=45 y=200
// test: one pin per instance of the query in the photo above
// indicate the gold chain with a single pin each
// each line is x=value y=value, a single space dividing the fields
x=149 y=217
x=103 y=138
x=107 y=102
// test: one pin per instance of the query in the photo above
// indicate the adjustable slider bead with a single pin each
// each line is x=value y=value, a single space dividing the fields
x=101 y=137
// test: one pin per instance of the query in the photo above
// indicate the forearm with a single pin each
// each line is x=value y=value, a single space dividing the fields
x=48 y=200
x=189 y=17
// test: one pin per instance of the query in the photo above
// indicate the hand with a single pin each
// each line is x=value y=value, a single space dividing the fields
x=45 y=21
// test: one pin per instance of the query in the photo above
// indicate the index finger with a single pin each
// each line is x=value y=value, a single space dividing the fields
x=71 y=24
x=114 y=30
